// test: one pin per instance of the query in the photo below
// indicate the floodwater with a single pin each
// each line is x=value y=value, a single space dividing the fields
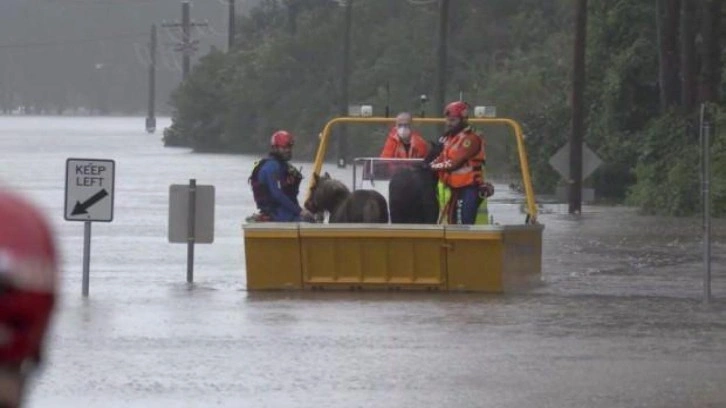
x=618 y=322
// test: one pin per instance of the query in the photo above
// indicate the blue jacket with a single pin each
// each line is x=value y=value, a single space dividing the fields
x=271 y=175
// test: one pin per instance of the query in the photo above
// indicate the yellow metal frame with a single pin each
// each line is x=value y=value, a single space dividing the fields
x=523 y=163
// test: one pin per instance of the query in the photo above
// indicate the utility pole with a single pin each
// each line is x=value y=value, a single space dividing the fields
x=441 y=50
x=151 y=116
x=186 y=40
x=231 y=27
x=578 y=113
x=345 y=72
x=187 y=46
x=705 y=132
x=388 y=98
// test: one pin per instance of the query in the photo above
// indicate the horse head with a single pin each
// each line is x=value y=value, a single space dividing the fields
x=326 y=194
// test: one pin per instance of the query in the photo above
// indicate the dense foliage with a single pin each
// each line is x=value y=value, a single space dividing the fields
x=649 y=66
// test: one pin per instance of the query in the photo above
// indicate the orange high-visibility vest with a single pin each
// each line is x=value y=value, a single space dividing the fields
x=471 y=172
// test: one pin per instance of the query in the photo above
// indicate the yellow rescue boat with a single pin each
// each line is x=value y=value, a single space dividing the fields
x=471 y=258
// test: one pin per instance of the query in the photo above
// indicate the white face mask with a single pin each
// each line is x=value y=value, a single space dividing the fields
x=403 y=133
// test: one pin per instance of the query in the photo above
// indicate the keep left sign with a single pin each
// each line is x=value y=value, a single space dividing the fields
x=89 y=190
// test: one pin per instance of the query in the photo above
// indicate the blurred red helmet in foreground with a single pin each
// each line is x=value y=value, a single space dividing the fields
x=28 y=274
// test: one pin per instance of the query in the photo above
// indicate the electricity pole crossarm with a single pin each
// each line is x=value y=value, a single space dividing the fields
x=187 y=47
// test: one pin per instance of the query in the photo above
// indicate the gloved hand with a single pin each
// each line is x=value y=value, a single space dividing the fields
x=442 y=165
x=486 y=190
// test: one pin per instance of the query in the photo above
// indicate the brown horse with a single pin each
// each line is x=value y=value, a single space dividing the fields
x=361 y=206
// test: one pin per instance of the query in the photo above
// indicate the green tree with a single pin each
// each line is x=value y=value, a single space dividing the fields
x=643 y=87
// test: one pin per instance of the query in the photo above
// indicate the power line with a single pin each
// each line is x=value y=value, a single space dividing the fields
x=72 y=42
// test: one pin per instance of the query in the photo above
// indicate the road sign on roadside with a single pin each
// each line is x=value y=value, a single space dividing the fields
x=89 y=197
x=560 y=161
x=191 y=218
x=180 y=212
x=89 y=190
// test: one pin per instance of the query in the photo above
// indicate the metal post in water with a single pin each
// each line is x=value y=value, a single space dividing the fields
x=190 y=229
x=578 y=109
x=355 y=173
x=86 y=256
x=706 y=194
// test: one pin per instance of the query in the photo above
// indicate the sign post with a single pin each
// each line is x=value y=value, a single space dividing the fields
x=89 y=194
x=191 y=218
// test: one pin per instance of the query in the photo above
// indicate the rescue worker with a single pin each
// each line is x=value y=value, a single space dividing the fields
x=460 y=167
x=403 y=142
x=276 y=183
x=28 y=281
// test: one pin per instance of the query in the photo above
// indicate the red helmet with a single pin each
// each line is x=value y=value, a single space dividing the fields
x=458 y=109
x=282 y=138
x=28 y=273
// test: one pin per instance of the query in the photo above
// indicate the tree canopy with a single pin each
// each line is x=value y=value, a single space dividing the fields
x=649 y=67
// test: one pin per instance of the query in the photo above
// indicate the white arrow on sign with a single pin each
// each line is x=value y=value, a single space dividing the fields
x=560 y=161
